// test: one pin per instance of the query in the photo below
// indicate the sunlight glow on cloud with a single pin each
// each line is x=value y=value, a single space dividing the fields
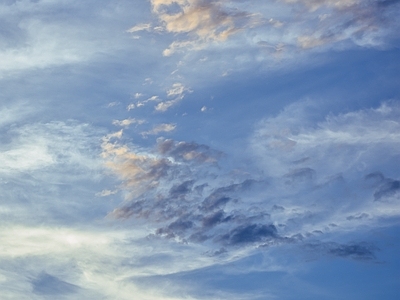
x=201 y=21
x=199 y=149
x=284 y=25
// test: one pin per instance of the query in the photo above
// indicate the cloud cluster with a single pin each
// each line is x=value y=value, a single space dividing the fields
x=199 y=21
x=174 y=95
x=171 y=189
x=273 y=30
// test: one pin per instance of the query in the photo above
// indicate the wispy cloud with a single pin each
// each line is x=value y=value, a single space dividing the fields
x=165 y=127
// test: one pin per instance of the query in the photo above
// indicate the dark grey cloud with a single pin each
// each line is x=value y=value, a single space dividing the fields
x=358 y=217
x=214 y=201
x=385 y=3
x=187 y=151
x=384 y=187
x=179 y=190
x=214 y=219
x=251 y=233
x=374 y=177
x=176 y=228
x=389 y=188
x=220 y=196
x=358 y=251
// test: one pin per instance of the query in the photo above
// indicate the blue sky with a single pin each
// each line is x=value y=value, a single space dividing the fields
x=198 y=149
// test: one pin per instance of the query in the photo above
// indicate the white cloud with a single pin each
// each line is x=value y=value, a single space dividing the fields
x=35 y=41
x=127 y=122
x=38 y=146
x=139 y=27
x=352 y=139
x=177 y=91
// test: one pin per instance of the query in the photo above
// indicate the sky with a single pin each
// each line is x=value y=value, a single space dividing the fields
x=199 y=149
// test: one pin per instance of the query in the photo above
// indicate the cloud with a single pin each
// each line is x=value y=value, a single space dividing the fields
x=358 y=251
x=127 y=122
x=34 y=42
x=201 y=21
x=315 y=4
x=105 y=193
x=165 y=127
x=364 y=23
x=38 y=146
x=139 y=27
x=177 y=91
x=187 y=151
x=248 y=33
x=181 y=189
x=389 y=188
x=139 y=172
x=16 y=112
x=249 y=234
x=130 y=107
x=302 y=174
x=68 y=262
x=182 y=194
x=353 y=139
x=142 y=172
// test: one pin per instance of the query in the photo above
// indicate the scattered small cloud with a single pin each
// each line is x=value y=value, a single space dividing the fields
x=127 y=122
x=112 y=104
x=177 y=92
x=140 y=27
x=130 y=107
